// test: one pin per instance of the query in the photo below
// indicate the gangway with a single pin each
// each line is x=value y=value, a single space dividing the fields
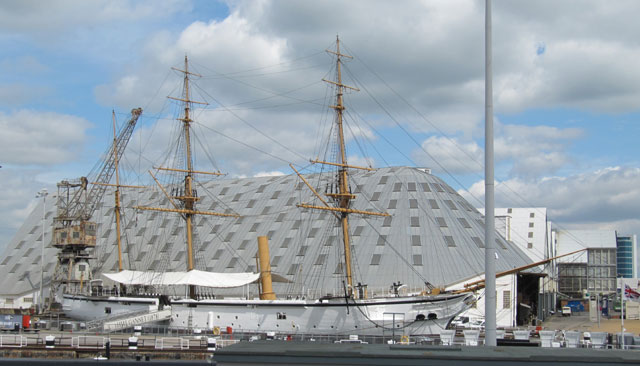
x=128 y=320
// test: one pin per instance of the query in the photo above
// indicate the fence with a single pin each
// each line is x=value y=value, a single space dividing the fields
x=13 y=340
x=89 y=342
x=171 y=343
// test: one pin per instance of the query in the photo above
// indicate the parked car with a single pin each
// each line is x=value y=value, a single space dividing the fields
x=476 y=324
x=460 y=322
x=566 y=311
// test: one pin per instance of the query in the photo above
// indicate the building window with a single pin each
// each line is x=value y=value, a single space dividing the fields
x=437 y=187
x=314 y=232
x=509 y=210
x=449 y=241
x=293 y=269
x=530 y=234
x=417 y=260
x=478 y=241
x=303 y=250
x=415 y=221
x=451 y=204
x=285 y=243
x=532 y=215
x=232 y=262
x=506 y=299
x=529 y=245
x=275 y=260
x=440 y=221
x=375 y=259
x=415 y=240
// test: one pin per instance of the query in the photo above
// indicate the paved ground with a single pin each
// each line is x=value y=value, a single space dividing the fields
x=582 y=323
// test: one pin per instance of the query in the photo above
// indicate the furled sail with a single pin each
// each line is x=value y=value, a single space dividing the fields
x=193 y=277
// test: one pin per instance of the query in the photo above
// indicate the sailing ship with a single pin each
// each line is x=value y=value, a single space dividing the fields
x=352 y=312
x=423 y=313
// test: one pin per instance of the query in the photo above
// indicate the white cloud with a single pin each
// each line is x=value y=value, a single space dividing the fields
x=269 y=174
x=524 y=151
x=45 y=19
x=533 y=151
x=450 y=154
x=12 y=95
x=439 y=72
x=43 y=138
x=604 y=199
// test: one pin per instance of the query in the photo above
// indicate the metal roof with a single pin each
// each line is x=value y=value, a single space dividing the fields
x=432 y=234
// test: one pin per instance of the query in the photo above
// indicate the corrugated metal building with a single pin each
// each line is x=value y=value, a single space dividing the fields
x=432 y=235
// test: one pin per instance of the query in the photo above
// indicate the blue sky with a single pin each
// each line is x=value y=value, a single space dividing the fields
x=566 y=88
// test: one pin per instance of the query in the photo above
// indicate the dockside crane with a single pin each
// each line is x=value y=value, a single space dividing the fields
x=74 y=234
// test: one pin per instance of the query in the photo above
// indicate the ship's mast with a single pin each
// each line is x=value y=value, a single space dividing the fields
x=188 y=199
x=187 y=196
x=343 y=197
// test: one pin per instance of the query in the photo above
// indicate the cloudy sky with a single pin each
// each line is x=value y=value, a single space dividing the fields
x=566 y=93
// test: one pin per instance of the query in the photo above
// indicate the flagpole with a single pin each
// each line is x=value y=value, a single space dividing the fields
x=623 y=294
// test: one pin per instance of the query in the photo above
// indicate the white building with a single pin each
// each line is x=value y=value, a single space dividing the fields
x=593 y=269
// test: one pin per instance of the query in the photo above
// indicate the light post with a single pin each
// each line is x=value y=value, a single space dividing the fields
x=42 y=194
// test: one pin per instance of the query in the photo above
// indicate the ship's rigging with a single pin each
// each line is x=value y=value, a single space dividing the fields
x=339 y=192
x=183 y=197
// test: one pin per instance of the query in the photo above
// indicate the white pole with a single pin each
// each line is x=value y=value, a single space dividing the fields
x=489 y=213
x=623 y=294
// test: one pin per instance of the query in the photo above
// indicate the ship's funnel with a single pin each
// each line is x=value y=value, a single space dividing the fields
x=265 y=269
